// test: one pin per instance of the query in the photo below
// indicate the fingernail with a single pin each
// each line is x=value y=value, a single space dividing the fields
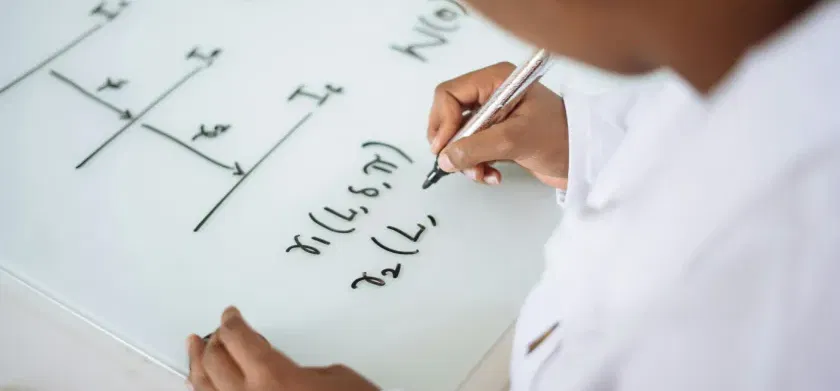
x=491 y=180
x=231 y=314
x=445 y=164
x=189 y=342
x=189 y=385
x=470 y=172
x=233 y=311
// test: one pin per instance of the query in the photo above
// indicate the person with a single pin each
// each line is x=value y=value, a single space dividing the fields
x=700 y=243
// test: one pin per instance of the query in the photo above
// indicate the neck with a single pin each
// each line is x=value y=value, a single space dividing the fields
x=707 y=38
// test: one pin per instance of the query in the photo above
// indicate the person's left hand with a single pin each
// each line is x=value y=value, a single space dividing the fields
x=236 y=358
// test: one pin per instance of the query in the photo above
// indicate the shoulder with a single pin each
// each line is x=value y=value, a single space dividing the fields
x=773 y=127
x=769 y=154
x=787 y=88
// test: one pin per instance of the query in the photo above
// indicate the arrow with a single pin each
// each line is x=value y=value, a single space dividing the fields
x=237 y=169
x=140 y=115
x=124 y=114
x=256 y=165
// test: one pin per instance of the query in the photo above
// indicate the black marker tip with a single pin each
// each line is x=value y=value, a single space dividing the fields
x=434 y=176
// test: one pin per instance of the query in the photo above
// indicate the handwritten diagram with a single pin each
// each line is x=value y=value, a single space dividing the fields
x=175 y=157
x=432 y=27
x=103 y=11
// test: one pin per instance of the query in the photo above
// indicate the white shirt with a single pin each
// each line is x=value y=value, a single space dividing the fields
x=700 y=247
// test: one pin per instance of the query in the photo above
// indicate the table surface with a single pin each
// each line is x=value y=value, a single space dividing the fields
x=45 y=348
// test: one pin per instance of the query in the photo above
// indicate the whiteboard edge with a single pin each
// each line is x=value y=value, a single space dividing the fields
x=52 y=300
x=491 y=372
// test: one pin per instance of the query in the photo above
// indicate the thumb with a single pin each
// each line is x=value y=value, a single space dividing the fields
x=248 y=348
x=492 y=144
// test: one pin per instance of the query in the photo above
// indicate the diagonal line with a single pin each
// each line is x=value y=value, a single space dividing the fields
x=181 y=143
x=140 y=115
x=55 y=55
x=247 y=174
x=85 y=319
x=84 y=92
x=485 y=356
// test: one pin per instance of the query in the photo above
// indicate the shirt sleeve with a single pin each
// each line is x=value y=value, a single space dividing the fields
x=596 y=126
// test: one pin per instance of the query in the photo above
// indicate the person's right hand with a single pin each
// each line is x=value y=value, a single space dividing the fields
x=534 y=135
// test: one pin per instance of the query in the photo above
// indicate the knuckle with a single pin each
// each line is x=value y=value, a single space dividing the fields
x=473 y=174
x=262 y=377
x=502 y=69
x=338 y=368
x=507 y=141
x=506 y=148
x=211 y=355
x=441 y=88
x=263 y=338
x=208 y=359
x=504 y=66
x=458 y=156
x=200 y=381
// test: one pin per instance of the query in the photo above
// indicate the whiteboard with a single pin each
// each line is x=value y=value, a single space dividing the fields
x=161 y=157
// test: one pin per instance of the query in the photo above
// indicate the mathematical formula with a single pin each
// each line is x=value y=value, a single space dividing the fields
x=433 y=29
x=332 y=221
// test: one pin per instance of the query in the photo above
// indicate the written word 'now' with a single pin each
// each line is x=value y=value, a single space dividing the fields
x=432 y=28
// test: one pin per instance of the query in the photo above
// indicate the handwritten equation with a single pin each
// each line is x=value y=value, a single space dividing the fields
x=339 y=222
x=433 y=30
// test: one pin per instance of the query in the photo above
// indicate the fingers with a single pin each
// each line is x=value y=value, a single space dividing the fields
x=462 y=93
x=249 y=349
x=444 y=121
x=495 y=143
x=484 y=173
x=492 y=176
x=198 y=377
x=220 y=367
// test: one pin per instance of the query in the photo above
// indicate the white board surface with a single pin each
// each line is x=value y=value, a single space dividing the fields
x=114 y=202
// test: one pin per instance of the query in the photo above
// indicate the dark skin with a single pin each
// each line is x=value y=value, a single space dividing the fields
x=699 y=39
